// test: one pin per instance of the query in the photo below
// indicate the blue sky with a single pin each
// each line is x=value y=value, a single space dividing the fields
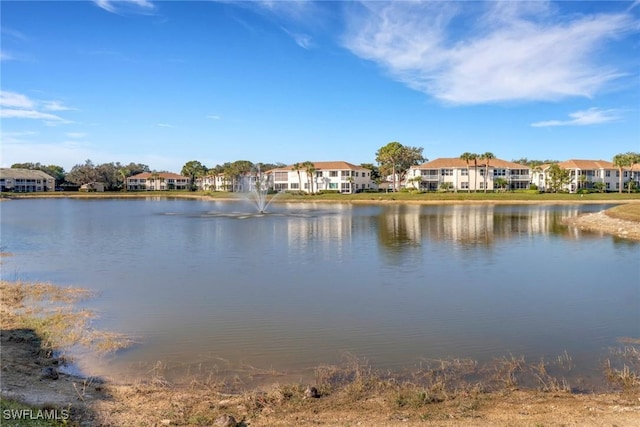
x=163 y=83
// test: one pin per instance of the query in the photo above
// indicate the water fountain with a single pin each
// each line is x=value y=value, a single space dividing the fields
x=255 y=186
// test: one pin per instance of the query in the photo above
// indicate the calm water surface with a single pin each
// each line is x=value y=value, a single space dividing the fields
x=210 y=286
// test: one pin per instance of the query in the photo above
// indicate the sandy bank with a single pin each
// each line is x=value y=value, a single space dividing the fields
x=601 y=222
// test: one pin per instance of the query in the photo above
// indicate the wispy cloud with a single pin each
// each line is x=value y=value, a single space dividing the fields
x=214 y=117
x=15 y=100
x=18 y=106
x=302 y=40
x=592 y=116
x=55 y=106
x=6 y=56
x=76 y=135
x=114 y=6
x=164 y=125
x=512 y=51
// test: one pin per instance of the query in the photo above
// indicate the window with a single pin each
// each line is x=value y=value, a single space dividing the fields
x=482 y=185
x=346 y=187
x=306 y=185
x=446 y=172
x=281 y=176
x=333 y=186
x=345 y=173
x=608 y=185
x=464 y=185
x=499 y=172
x=280 y=186
x=464 y=172
x=607 y=173
x=333 y=173
x=318 y=174
x=295 y=186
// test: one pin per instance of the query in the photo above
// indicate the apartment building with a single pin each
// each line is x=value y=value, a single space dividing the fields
x=219 y=182
x=338 y=176
x=454 y=174
x=587 y=173
x=154 y=181
x=25 y=180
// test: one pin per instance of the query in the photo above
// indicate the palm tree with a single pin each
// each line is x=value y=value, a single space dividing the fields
x=487 y=158
x=632 y=159
x=310 y=168
x=152 y=179
x=124 y=173
x=467 y=157
x=620 y=161
x=297 y=167
x=350 y=181
x=475 y=157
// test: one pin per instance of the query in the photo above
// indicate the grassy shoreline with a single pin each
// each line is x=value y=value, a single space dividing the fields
x=40 y=319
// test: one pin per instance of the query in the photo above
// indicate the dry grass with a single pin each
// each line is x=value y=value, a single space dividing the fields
x=50 y=311
x=437 y=391
x=628 y=212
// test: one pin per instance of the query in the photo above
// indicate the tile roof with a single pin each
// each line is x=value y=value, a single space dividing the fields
x=17 y=173
x=456 y=162
x=586 y=164
x=165 y=175
x=335 y=165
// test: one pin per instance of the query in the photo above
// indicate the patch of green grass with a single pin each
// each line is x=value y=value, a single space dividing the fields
x=629 y=212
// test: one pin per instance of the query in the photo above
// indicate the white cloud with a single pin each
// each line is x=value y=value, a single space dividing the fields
x=164 y=125
x=16 y=100
x=111 y=5
x=10 y=113
x=19 y=106
x=514 y=51
x=55 y=106
x=592 y=116
x=213 y=117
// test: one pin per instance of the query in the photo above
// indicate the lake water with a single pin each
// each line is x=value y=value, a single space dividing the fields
x=207 y=286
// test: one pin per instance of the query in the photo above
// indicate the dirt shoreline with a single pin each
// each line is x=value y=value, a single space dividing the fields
x=603 y=223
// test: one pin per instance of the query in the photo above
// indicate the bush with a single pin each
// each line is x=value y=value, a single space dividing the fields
x=329 y=192
x=533 y=187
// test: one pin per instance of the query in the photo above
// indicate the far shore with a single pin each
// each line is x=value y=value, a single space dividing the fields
x=507 y=198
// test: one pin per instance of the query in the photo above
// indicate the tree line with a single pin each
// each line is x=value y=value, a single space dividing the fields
x=393 y=159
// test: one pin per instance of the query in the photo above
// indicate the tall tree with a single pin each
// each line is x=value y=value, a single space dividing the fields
x=557 y=178
x=487 y=157
x=297 y=167
x=193 y=169
x=374 y=172
x=237 y=170
x=83 y=173
x=633 y=159
x=396 y=159
x=467 y=157
x=620 y=161
x=310 y=169
x=475 y=157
